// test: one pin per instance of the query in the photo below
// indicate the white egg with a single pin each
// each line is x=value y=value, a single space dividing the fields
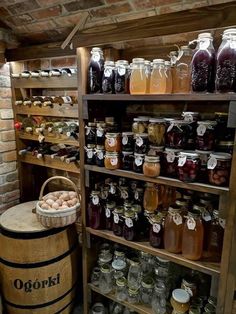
x=59 y=202
x=49 y=202
x=45 y=206
x=55 y=205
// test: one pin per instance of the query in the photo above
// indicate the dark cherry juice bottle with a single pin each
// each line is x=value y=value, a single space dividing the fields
x=203 y=65
x=95 y=211
x=95 y=71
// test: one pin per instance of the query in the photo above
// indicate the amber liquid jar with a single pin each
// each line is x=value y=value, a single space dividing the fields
x=150 y=199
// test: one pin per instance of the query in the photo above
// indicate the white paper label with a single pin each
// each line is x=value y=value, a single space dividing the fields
x=112 y=189
x=182 y=161
x=111 y=142
x=124 y=194
x=191 y=224
x=41 y=138
x=204 y=44
x=108 y=213
x=201 y=129
x=232 y=44
x=95 y=200
x=68 y=134
x=121 y=70
x=136 y=195
x=212 y=162
x=206 y=215
x=88 y=130
x=138 y=161
x=96 y=56
x=222 y=222
x=116 y=218
x=188 y=117
x=90 y=154
x=125 y=140
x=100 y=155
x=129 y=222
x=104 y=194
x=108 y=72
x=156 y=228
x=100 y=132
x=139 y=141
x=114 y=161
x=170 y=127
x=178 y=220
x=170 y=157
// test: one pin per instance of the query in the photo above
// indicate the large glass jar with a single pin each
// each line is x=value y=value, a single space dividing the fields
x=158 y=78
x=141 y=143
x=127 y=141
x=95 y=70
x=151 y=166
x=98 y=308
x=146 y=290
x=138 y=78
x=173 y=230
x=206 y=135
x=119 y=268
x=150 y=199
x=192 y=243
x=90 y=133
x=170 y=162
x=130 y=225
x=110 y=206
x=168 y=75
x=188 y=166
x=108 y=77
x=226 y=62
x=140 y=125
x=113 y=142
x=112 y=161
x=138 y=163
x=121 y=291
x=134 y=274
x=203 y=172
x=147 y=262
x=118 y=221
x=127 y=161
x=219 y=165
x=156 y=131
x=203 y=65
x=177 y=134
x=156 y=231
x=159 y=300
x=122 y=77
x=100 y=133
x=105 y=280
x=180 y=301
x=95 y=211
x=183 y=71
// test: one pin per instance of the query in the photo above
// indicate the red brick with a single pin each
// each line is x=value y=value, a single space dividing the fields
x=7 y=136
x=23 y=6
x=20 y=19
x=5 y=104
x=6 y=125
x=46 y=13
x=41 y=26
x=9 y=156
x=5 y=92
x=48 y=3
x=146 y=4
x=68 y=19
x=114 y=9
x=82 y=4
x=6 y=146
x=9 y=187
x=63 y=62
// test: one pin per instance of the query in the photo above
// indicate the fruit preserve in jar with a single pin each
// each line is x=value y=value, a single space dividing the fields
x=156 y=231
x=140 y=125
x=156 y=131
x=95 y=70
x=150 y=199
x=151 y=166
x=138 y=163
x=127 y=161
x=219 y=165
x=110 y=206
x=90 y=154
x=127 y=141
x=113 y=142
x=188 y=166
x=170 y=162
x=100 y=153
x=108 y=77
x=122 y=77
x=225 y=147
x=206 y=135
x=223 y=133
x=180 y=301
x=177 y=134
x=141 y=143
x=95 y=211
x=100 y=133
x=130 y=225
x=118 y=221
x=203 y=172
x=112 y=161
x=90 y=133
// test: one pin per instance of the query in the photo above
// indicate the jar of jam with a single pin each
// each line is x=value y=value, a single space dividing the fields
x=140 y=125
x=122 y=77
x=108 y=77
x=95 y=211
x=112 y=161
x=223 y=133
x=100 y=133
x=128 y=141
x=192 y=243
x=180 y=301
x=113 y=192
x=190 y=116
x=203 y=172
x=138 y=195
x=110 y=206
x=90 y=154
x=188 y=166
x=225 y=147
x=104 y=192
x=118 y=221
x=113 y=142
x=125 y=194
x=219 y=165
x=170 y=162
x=206 y=135
x=90 y=133
x=146 y=290
x=177 y=134
x=151 y=166
x=130 y=228
x=127 y=160
x=100 y=153
x=156 y=231
x=141 y=143
x=190 y=287
x=156 y=131
x=138 y=163
x=173 y=230
x=150 y=199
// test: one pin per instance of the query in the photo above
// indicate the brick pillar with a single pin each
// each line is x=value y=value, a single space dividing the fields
x=9 y=183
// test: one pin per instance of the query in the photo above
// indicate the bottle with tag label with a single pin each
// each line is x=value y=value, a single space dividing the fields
x=90 y=157
x=118 y=221
x=100 y=133
x=138 y=163
x=130 y=225
x=156 y=231
x=108 y=78
x=109 y=207
x=90 y=133
x=38 y=100
x=100 y=154
x=203 y=172
x=141 y=143
x=95 y=213
x=72 y=157
x=122 y=77
x=72 y=129
x=127 y=141
x=138 y=79
x=170 y=162
x=158 y=81
x=150 y=199
x=178 y=134
x=112 y=161
x=113 y=142
x=95 y=70
x=219 y=166
x=183 y=71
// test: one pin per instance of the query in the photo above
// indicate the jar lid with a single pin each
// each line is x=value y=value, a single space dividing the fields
x=138 y=60
x=185 y=48
x=121 y=282
x=209 y=308
x=101 y=124
x=155 y=219
x=124 y=62
x=118 y=264
x=157 y=120
x=213 y=300
x=100 y=147
x=178 y=121
x=192 y=113
x=207 y=122
x=226 y=143
x=222 y=114
x=180 y=296
x=112 y=135
x=139 y=155
x=229 y=31
x=133 y=292
x=172 y=150
x=205 y=35
x=141 y=119
x=91 y=124
x=221 y=156
x=127 y=153
x=187 y=196
x=127 y=133
x=109 y=63
x=105 y=268
x=96 y=49
x=188 y=283
x=98 y=308
x=153 y=159
x=216 y=213
x=134 y=261
x=91 y=146
x=159 y=290
x=110 y=204
x=194 y=213
x=111 y=154
x=173 y=210
x=157 y=148
x=191 y=154
x=95 y=192
x=169 y=119
x=118 y=210
x=181 y=202
x=105 y=258
x=129 y=214
x=119 y=253
x=203 y=152
x=137 y=208
x=158 y=61
x=144 y=135
x=167 y=63
x=198 y=207
x=148 y=283
x=205 y=201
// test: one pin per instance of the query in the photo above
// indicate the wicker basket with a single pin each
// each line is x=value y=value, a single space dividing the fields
x=61 y=217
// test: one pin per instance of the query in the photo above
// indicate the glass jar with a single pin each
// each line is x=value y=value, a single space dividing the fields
x=225 y=147
x=127 y=141
x=180 y=301
x=138 y=163
x=190 y=287
x=209 y=309
x=90 y=156
x=141 y=143
x=182 y=204
x=156 y=131
x=151 y=166
x=127 y=161
x=173 y=230
x=140 y=125
x=138 y=78
x=100 y=133
x=219 y=165
x=110 y=206
x=168 y=75
x=108 y=77
x=194 y=309
x=119 y=269
x=213 y=301
x=134 y=275
x=177 y=134
x=148 y=70
x=167 y=196
x=95 y=70
x=98 y=308
x=104 y=258
x=113 y=142
x=183 y=71
x=95 y=211
x=206 y=135
x=159 y=300
x=157 y=151
x=146 y=290
x=226 y=63
x=156 y=231
x=133 y=296
x=130 y=225
x=122 y=77
x=150 y=199
x=118 y=221
x=188 y=166
x=112 y=161
x=95 y=276
x=105 y=279
x=223 y=133
x=121 y=291
x=203 y=172
x=147 y=263
x=203 y=65
x=170 y=162
x=138 y=195
x=90 y=133
x=100 y=153
x=158 y=79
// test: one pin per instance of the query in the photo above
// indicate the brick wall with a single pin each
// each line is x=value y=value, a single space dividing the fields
x=9 y=183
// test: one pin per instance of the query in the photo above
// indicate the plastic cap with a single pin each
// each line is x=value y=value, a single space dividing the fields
x=180 y=296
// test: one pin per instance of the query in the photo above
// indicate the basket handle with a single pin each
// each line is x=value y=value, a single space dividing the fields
x=56 y=178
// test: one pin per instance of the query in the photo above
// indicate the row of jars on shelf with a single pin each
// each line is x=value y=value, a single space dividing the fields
x=141 y=278
x=199 y=70
x=46 y=101
x=112 y=308
x=45 y=73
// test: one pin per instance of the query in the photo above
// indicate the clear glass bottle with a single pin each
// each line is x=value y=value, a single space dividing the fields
x=183 y=70
x=95 y=70
x=108 y=77
x=159 y=300
x=105 y=279
x=138 y=78
x=170 y=162
x=134 y=275
x=158 y=79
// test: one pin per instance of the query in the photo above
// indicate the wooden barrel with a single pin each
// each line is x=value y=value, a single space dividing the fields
x=38 y=266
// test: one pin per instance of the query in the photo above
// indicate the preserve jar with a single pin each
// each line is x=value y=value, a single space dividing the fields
x=95 y=276
x=162 y=273
x=203 y=65
x=206 y=135
x=110 y=206
x=148 y=70
x=95 y=70
x=122 y=77
x=146 y=290
x=100 y=133
x=119 y=268
x=134 y=274
x=105 y=280
x=168 y=75
x=192 y=243
x=141 y=143
x=100 y=153
x=133 y=296
x=167 y=196
x=188 y=166
x=121 y=290
x=147 y=263
x=104 y=258
x=158 y=78
x=156 y=231
x=127 y=160
x=226 y=63
x=151 y=166
x=180 y=301
x=223 y=133
x=90 y=133
x=189 y=286
x=113 y=142
x=104 y=193
x=98 y=308
x=127 y=141
x=140 y=125
x=138 y=163
x=112 y=161
x=150 y=199
x=108 y=77
x=118 y=221
x=138 y=193
x=156 y=131
x=177 y=134
x=125 y=195
x=225 y=147
x=183 y=71
x=95 y=211
x=173 y=230
x=138 y=79
x=130 y=225
x=203 y=172
x=156 y=151
x=90 y=156
x=170 y=162
x=219 y=165
x=159 y=300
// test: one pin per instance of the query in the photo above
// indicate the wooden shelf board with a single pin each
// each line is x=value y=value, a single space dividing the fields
x=205 y=267
x=61 y=82
x=63 y=110
x=166 y=97
x=49 y=139
x=200 y=187
x=46 y=161
x=139 y=308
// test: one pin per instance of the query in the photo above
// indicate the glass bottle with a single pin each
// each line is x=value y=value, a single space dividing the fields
x=90 y=133
x=100 y=133
x=95 y=211
x=127 y=160
x=168 y=75
x=134 y=275
x=127 y=141
x=219 y=165
x=188 y=166
x=146 y=290
x=206 y=135
x=133 y=296
x=122 y=77
x=183 y=70
x=140 y=125
x=98 y=308
x=148 y=70
x=95 y=71
x=108 y=77
x=121 y=292
x=105 y=279
x=156 y=231
x=150 y=199
x=110 y=206
x=159 y=300
x=141 y=143
x=95 y=276
x=100 y=155
x=138 y=163
x=130 y=225
x=158 y=79
x=118 y=221
x=177 y=134
x=170 y=162
x=138 y=79
x=119 y=269
x=223 y=133
x=203 y=65
x=173 y=55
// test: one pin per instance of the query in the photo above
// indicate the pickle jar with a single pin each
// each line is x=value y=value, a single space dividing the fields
x=156 y=131
x=118 y=221
x=90 y=133
x=177 y=134
x=206 y=135
x=113 y=142
x=151 y=166
x=156 y=231
x=138 y=163
x=100 y=133
x=95 y=211
x=219 y=165
x=188 y=166
x=130 y=225
x=90 y=156
x=100 y=153
x=112 y=161
x=122 y=77
x=203 y=172
x=128 y=141
x=170 y=162
x=140 y=125
x=110 y=206
x=180 y=301
x=141 y=143
x=127 y=160
x=146 y=290
x=150 y=199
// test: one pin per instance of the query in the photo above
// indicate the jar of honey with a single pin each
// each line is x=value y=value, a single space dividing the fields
x=113 y=142
x=138 y=78
x=150 y=199
x=158 y=79
x=180 y=301
x=156 y=131
x=151 y=166
x=219 y=165
x=112 y=161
